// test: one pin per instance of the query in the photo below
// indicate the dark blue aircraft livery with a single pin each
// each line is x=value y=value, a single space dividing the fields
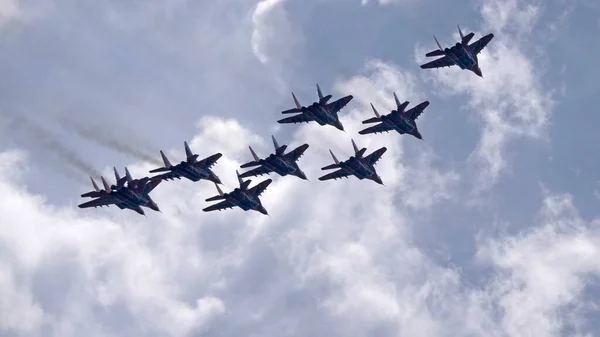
x=128 y=193
x=360 y=166
x=398 y=120
x=462 y=54
x=192 y=168
x=279 y=162
x=242 y=197
x=320 y=112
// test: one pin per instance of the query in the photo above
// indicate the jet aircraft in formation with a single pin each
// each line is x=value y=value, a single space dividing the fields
x=320 y=112
x=242 y=197
x=462 y=54
x=279 y=162
x=129 y=193
x=399 y=120
x=191 y=168
x=360 y=166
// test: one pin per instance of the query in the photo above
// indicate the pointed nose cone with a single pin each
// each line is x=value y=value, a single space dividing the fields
x=301 y=175
x=418 y=135
x=378 y=180
x=215 y=179
x=153 y=206
x=262 y=209
x=139 y=210
x=338 y=125
x=477 y=71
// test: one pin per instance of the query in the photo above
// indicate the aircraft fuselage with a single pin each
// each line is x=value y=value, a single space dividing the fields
x=193 y=173
x=242 y=200
x=357 y=168
x=463 y=58
x=279 y=165
x=399 y=122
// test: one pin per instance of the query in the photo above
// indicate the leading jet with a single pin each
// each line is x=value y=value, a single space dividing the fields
x=360 y=166
x=128 y=193
x=279 y=162
x=242 y=197
x=320 y=112
x=462 y=54
x=192 y=168
x=399 y=120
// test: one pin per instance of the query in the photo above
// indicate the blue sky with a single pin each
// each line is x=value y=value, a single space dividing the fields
x=488 y=227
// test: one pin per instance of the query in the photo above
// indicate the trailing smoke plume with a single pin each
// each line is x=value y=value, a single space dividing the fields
x=100 y=136
x=50 y=143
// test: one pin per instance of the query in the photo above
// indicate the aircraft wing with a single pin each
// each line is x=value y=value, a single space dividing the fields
x=416 y=111
x=208 y=162
x=297 y=153
x=257 y=190
x=439 y=63
x=168 y=176
x=380 y=128
x=339 y=104
x=477 y=46
x=225 y=204
x=302 y=118
x=152 y=184
x=108 y=200
x=375 y=156
x=255 y=172
x=339 y=174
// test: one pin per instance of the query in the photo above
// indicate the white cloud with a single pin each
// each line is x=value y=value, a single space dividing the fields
x=9 y=9
x=543 y=272
x=274 y=36
x=388 y=2
x=511 y=100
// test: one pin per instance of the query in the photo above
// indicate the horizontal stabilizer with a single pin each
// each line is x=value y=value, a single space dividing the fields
x=92 y=194
x=215 y=198
x=162 y=169
x=331 y=167
x=436 y=52
x=371 y=120
x=250 y=164
x=292 y=111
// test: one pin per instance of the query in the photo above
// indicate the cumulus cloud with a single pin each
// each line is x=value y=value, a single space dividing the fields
x=511 y=100
x=274 y=36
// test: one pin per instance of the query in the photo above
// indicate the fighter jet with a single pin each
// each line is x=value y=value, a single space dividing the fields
x=191 y=169
x=128 y=193
x=242 y=197
x=280 y=162
x=320 y=112
x=462 y=54
x=358 y=166
x=399 y=120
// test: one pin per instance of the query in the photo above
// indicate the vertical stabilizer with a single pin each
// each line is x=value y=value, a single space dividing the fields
x=243 y=184
x=253 y=154
x=219 y=189
x=128 y=175
x=375 y=111
x=354 y=146
x=165 y=160
x=319 y=92
x=117 y=177
x=397 y=101
x=438 y=43
x=335 y=160
x=462 y=37
x=279 y=150
x=188 y=152
x=94 y=184
x=106 y=185
x=296 y=102
x=275 y=144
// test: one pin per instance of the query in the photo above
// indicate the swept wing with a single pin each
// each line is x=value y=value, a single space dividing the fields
x=375 y=156
x=225 y=204
x=380 y=128
x=255 y=172
x=477 y=46
x=209 y=162
x=339 y=104
x=416 y=111
x=257 y=190
x=339 y=174
x=302 y=118
x=297 y=153
x=439 y=63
